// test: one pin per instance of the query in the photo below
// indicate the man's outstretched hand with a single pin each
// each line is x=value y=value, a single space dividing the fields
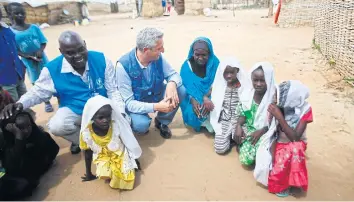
x=11 y=110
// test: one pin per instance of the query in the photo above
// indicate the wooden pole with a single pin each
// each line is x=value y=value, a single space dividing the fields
x=270 y=8
x=233 y=7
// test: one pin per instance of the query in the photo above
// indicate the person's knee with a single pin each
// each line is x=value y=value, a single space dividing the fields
x=64 y=122
x=222 y=150
x=141 y=124
x=221 y=143
x=61 y=127
x=56 y=127
x=247 y=162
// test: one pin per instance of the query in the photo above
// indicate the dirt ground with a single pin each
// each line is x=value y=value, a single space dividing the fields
x=186 y=166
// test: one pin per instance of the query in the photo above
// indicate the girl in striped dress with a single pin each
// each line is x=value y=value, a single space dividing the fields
x=229 y=82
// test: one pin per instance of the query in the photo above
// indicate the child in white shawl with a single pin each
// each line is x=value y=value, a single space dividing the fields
x=107 y=139
x=253 y=122
x=228 y=85
x=292 y=113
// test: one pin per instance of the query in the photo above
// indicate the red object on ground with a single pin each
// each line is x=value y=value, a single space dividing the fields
x=277 y=13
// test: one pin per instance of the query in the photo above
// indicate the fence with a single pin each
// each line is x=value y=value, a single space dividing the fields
x=333 y=21
x=334 y=35
x=298 y=13
x=237 y=4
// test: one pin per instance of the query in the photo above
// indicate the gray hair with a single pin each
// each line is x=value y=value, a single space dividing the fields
x=148 y=37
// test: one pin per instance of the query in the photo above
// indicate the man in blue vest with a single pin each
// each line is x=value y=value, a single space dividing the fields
x=12 y=70
x=141 y=76
x=74 y=77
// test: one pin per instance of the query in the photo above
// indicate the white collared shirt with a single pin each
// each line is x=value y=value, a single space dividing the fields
x=67 y=68
x=44 y=89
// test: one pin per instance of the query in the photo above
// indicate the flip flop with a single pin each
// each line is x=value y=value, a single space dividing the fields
x=284 y=193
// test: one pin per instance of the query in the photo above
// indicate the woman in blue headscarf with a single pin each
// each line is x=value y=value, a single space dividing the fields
x=198 y=73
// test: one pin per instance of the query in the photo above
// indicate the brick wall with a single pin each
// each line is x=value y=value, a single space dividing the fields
x=56 y=9
x=49 y=13
x=101 y=8
x=195 y=7
x=152 y=8
x=98 y=8
x=36 y=15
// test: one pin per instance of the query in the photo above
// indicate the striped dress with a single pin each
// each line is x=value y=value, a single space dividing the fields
x=228 y=119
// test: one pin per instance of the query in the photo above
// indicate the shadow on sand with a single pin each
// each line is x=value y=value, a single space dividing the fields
x=61 y=169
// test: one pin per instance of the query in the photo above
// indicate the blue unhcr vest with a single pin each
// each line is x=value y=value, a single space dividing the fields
x=144 y=91
x=71 y=90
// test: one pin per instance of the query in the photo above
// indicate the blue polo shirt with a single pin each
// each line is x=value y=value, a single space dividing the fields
x=11 y=67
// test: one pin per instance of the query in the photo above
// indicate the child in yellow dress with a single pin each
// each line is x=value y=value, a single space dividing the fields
x=108 y=141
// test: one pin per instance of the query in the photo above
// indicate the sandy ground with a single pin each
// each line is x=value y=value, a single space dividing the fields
x=186 y=166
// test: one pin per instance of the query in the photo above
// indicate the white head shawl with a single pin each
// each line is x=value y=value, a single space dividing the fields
x=120 y=127
x=293 y=95
x=290 y=94
x=246 y=99
x=263 y=155
x=219 y=88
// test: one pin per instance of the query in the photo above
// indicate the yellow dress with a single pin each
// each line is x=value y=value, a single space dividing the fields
x=109 y=164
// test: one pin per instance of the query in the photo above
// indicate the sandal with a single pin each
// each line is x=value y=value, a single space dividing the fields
x=284 y=193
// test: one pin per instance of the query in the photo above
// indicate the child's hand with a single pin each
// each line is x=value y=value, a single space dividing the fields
x=208 y=104
x=196 y=107
x=239 y=135
x=15 y=130
x=88 y=177
x=275 y=111
x=255 y=136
